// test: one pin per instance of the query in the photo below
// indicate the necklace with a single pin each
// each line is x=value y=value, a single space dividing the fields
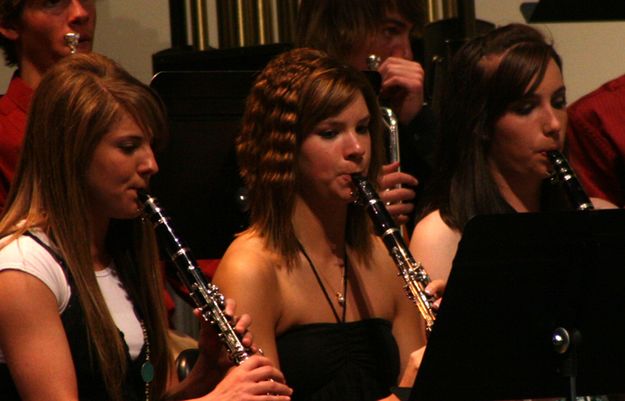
x=340 y=296
x=147 y=369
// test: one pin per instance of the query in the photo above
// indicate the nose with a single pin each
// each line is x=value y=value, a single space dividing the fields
x=79 y=11
x=147 y=165
x=554 y=121
x=355 y=147
x=403 y=47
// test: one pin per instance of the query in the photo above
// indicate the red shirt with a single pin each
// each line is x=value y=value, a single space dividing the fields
x=13 y=111
x=596 y=141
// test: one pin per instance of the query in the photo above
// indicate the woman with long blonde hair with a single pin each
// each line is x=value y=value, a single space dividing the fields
x=82 y=315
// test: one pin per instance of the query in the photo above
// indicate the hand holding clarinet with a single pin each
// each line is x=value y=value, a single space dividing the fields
x=217 y=315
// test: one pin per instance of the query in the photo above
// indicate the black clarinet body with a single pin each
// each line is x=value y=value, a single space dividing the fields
x=205 y=295
x=564 y=174
x=414 y=275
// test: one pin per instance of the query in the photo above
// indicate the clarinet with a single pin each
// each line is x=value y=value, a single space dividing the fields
x=205 y=295
x=564 y=174
x=414 y=275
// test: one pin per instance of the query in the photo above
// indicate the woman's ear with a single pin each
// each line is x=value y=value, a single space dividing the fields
x=9 y=31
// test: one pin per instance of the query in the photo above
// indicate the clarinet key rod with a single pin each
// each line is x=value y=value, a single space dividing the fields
x=414 y=275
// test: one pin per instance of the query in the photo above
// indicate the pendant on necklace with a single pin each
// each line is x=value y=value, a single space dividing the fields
x=340 y=298
x=147 y=372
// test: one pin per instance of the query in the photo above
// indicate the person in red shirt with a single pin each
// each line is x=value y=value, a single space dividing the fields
x=32 y=38
x=596 y=141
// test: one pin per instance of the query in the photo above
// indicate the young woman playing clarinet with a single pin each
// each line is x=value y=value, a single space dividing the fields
x=328 y=307
x=82 y=315
x=502 y=113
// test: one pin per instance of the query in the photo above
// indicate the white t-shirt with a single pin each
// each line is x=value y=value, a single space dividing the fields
x=121 y=309
x=25 y=254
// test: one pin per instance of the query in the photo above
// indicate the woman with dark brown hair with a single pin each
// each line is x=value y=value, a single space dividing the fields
x=503 y=110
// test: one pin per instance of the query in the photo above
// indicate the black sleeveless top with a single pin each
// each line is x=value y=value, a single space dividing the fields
x=356 y=361
x=88 y=376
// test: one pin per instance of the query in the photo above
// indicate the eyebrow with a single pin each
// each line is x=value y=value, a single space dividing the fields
x=534 y=94
x=394 y=21
x=365 y=118
x=335 y=120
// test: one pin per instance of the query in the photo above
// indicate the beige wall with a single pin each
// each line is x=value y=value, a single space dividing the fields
x=592 y=53
x=131 y=30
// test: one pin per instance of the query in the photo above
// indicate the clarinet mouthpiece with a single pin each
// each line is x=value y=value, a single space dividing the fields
x=71 y=40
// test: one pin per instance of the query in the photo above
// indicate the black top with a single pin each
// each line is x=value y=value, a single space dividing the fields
x=340 y=361
x=90 y=384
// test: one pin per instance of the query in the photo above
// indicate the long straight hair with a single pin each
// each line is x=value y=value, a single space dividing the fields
x=77 y=102
x=486 y=75
x=296 y=91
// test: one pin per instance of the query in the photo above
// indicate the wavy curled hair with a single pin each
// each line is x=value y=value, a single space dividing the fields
x=79 y=100
x=486 y=75
x=296 y=91
x=339 y=26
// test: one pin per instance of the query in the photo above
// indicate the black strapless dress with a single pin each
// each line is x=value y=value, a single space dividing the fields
x=356 y=361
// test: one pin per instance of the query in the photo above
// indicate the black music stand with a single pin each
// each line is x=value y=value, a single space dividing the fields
x=542 y=11
x=515 y=280
x=198 y=182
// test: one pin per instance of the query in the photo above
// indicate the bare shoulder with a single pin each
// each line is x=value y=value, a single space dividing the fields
x=599 y=203
x=432 y=230
x=248 y=273
x=247 y=260
x=434 y=244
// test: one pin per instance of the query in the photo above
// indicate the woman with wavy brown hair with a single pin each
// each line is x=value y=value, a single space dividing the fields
x=322 y=290
x=352 y=30
x=82 y=314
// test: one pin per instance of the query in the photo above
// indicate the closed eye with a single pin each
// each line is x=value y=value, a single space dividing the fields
x=50 y=4
x=523 y=107
x=391 y=31
x=130 y=145
x=363 y=129
x=328 y=133
x=558 y=99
